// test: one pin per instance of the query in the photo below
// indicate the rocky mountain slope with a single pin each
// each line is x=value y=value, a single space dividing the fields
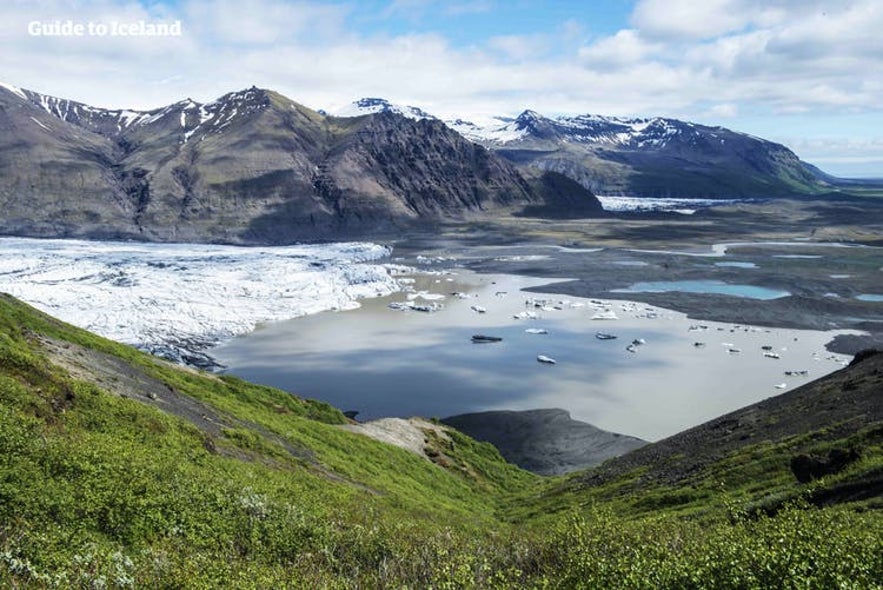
x=650 y=157
x=548 y=442
x=826 y=435
x=655 y=157
x=250 y=167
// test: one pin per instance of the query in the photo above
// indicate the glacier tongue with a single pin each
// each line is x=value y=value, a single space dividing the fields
x=178 y=300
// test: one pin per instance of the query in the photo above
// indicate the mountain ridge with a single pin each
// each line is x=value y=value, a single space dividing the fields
x=250 y=167
x=643 y=157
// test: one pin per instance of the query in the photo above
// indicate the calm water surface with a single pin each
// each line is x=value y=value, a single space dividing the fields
x=384 y=362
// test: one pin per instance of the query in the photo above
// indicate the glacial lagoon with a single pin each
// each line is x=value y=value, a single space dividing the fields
x=381 y=361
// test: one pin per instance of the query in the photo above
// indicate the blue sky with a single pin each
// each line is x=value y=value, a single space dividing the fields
x=805 y=73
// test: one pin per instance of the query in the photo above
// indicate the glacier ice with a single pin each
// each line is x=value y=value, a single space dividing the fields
x=178 y=300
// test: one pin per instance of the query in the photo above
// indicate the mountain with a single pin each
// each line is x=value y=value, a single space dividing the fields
x=643 y=157
x=547 y=442
x=649 y=157
x=119 y=470
x=251 y=167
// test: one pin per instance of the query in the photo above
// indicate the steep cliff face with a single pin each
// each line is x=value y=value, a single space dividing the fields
x=252 y=166
x=55 y=175
x=435 y=170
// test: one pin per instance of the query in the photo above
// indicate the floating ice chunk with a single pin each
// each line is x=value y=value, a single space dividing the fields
x=605 y=315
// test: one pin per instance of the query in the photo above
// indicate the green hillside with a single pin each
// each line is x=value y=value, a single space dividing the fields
x=118 y=470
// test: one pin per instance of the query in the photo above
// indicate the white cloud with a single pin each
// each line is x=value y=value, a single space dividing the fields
x=624 y=48
x=520 y=47
x=688 y=18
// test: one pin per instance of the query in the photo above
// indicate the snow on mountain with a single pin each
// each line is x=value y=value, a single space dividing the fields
x=594 y=129
x=191 y=115
x=14 y=89
x=177 y=300
x=368 y=106
x=497 y=130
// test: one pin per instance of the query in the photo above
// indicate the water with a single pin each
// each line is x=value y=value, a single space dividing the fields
x=383 y=362
x=736 y=264
x=704 y=286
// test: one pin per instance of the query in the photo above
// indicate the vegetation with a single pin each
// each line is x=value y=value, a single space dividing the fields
x=103 y=486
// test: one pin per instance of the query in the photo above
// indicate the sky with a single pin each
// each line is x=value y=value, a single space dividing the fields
x=806 y=73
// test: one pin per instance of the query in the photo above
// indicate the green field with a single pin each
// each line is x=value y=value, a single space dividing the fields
x=118 y=470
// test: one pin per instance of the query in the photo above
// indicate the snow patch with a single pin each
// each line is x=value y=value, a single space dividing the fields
x=14 y=89
x=369 y=106
x=40 y=124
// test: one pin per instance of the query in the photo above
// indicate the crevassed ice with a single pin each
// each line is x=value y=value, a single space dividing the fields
x=179 y=299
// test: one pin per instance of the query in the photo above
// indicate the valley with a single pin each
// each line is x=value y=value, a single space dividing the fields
x=747 y=301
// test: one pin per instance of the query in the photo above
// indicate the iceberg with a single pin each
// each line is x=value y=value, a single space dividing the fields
x=179 y=300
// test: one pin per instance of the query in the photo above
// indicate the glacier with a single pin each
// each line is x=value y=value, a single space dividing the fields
x=179 y=300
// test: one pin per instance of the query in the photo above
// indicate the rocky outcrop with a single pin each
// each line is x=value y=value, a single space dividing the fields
x=548 y=442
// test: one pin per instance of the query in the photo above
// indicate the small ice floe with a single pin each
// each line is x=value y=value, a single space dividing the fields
x=607 y=314
x=459 y=295
x=536 y=331
x=771 y=355
x=605 y=336
x=501 y=293
x=546 y=359
x=425 y=295
x=781 y=386
x=526 y=315
x=727 y=344
x=427 y=308
x=631 y=348
x=482 y=338
x=639 y=342
x=478 y=309
x=411 y=306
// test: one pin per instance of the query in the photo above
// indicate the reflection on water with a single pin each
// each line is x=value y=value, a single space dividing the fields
x=384 y=362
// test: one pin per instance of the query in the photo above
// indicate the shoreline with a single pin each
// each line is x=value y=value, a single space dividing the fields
x=822 y=285
x=388 y=349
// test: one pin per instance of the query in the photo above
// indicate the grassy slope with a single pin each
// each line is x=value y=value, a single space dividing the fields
x=98 y=488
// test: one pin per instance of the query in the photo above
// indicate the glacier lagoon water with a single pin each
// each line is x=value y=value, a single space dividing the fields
x=704 y=286
x=385 y=362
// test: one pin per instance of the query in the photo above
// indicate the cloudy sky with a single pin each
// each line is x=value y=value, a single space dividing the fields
x=805 y=73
